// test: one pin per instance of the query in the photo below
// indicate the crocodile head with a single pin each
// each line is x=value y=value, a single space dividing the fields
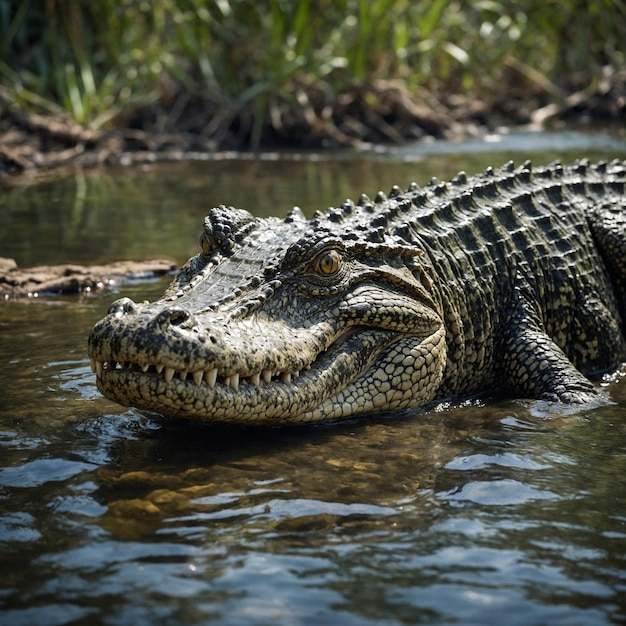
x=278 y=322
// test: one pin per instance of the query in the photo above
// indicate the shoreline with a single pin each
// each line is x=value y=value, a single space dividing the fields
x=31 y=142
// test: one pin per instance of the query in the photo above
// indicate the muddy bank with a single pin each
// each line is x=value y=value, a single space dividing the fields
x=34 y=142
x=54 y=280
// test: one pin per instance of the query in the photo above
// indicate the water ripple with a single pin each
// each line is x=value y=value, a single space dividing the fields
x=42 y=471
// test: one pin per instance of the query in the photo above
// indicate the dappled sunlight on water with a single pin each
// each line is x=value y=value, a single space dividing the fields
x=486 y=511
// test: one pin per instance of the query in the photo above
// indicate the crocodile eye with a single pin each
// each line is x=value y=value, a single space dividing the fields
x=208 y=242
x=327 y=263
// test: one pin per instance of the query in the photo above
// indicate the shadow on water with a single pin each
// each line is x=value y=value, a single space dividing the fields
x=480 y=512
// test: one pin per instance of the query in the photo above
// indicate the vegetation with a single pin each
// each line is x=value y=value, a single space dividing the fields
x=249 y=72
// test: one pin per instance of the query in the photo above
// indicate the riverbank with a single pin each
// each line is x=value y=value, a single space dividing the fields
x=32 y=141
x=87 y=83
x=55 y=280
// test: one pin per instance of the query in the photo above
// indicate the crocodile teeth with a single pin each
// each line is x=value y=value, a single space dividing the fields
x=233 y=381
x=211 y=377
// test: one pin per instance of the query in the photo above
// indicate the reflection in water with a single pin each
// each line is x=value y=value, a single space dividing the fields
x=483 y=512
x=97 y=216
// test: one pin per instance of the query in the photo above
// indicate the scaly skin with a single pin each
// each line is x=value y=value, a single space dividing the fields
x=513 y=278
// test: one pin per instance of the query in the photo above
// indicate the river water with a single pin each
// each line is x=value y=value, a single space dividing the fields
x=485 y=512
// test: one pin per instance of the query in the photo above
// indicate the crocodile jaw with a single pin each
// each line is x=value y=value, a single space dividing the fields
x=366 y=370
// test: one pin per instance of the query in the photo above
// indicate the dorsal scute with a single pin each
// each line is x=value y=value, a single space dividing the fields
x=295 y=215
x=440 y=189
x=485 y=189
x=224 y=226
x=363 y=200
x=395 y=191
x=460 y=178
x=581 y=166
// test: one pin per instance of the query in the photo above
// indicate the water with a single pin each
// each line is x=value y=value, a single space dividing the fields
x=486 y=512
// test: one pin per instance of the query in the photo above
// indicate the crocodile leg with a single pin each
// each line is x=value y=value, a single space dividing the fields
x=532 y=364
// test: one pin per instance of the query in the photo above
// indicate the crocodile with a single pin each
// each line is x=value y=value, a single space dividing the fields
x=512 y=279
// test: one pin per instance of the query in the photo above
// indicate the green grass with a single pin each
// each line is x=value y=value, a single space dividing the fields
x=284 y=67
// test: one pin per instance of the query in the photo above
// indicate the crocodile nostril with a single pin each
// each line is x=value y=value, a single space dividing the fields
x=178 y=317
x=123 y=306
x=174 y=316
